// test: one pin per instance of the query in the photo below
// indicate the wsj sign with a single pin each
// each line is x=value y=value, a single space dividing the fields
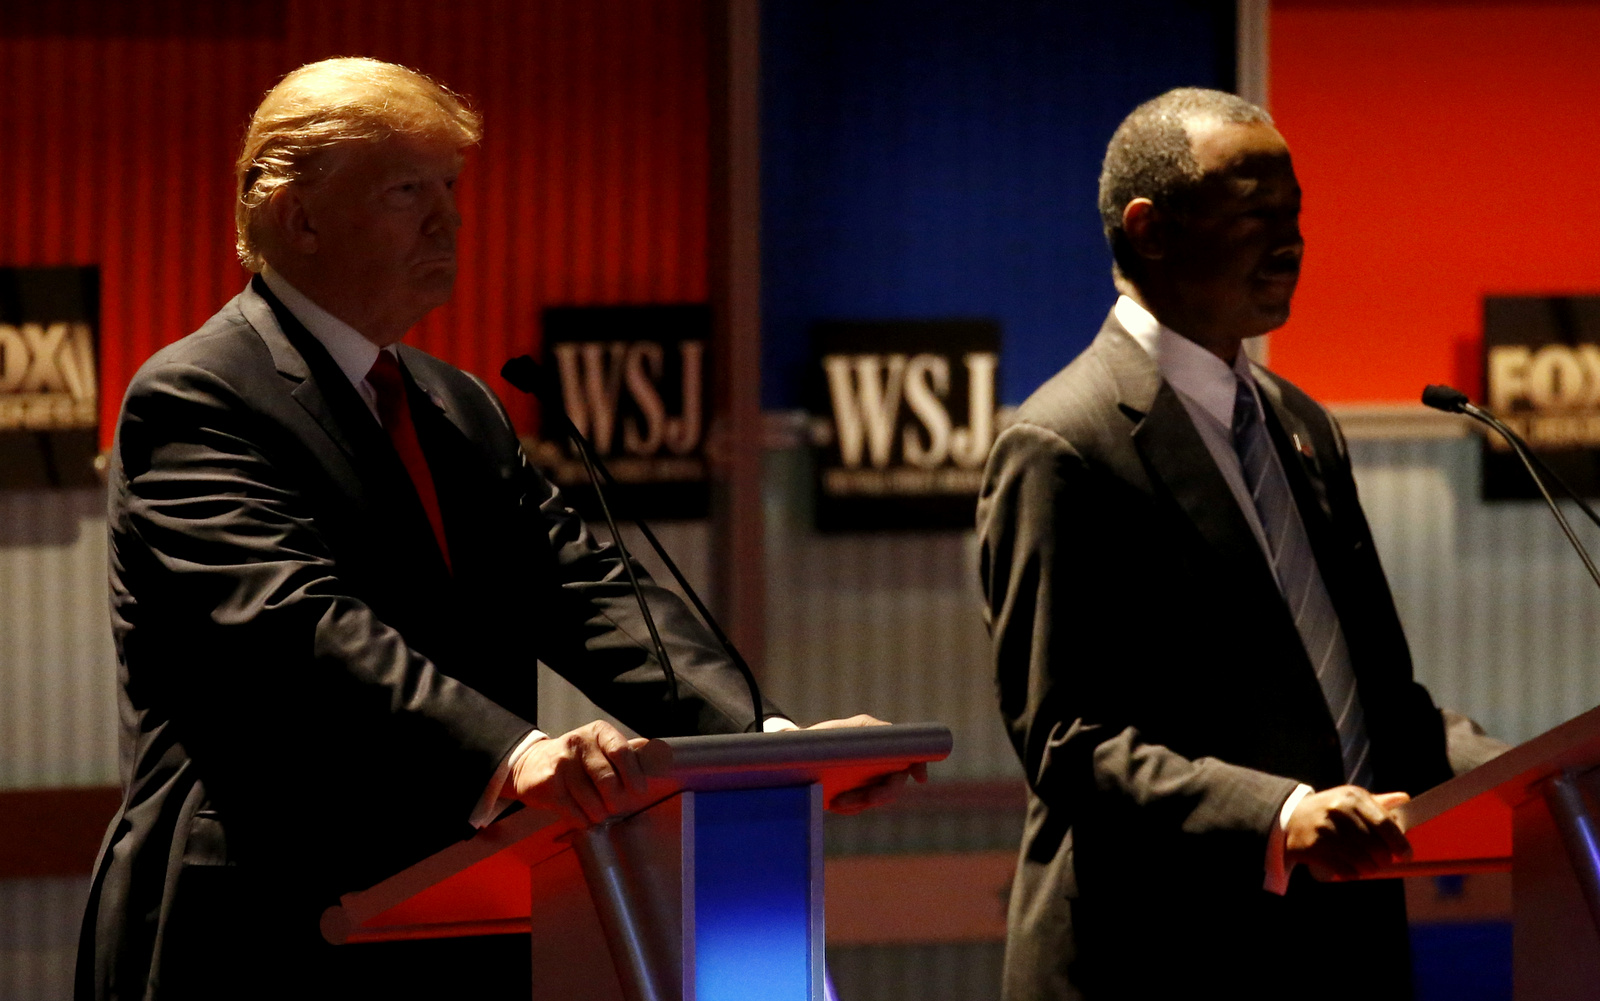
x=49 y=385
x=907 y=416
x=633 y=379
x=1542 y=375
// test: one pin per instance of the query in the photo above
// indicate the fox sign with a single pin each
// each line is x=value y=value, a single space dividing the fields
x=49 y=380
x=1541 y=361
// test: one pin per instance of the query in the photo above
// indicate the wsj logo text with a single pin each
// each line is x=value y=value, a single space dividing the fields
x=639 y=402
x=593 y=374
x=898 y=428
x=47 y=377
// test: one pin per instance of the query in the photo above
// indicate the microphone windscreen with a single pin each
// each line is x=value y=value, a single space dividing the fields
x=523 y=373
x=1446 y=398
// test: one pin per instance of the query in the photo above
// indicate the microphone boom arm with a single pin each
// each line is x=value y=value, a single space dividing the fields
x=1454 y=401
x=1528 y=460
x=527 y=375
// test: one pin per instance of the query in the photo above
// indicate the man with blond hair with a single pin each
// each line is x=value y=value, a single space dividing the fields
x=332 y=570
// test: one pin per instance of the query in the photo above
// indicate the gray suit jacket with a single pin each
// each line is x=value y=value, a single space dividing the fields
x=1162 y=703
x=310 y=699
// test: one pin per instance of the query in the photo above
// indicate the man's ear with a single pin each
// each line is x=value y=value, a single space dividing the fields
x=292 y=218
x=1146 y=229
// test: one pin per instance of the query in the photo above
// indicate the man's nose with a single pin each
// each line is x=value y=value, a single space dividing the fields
x=444 y=217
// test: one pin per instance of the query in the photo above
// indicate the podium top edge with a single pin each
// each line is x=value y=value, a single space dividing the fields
x=1515 y=775
x=835 y=748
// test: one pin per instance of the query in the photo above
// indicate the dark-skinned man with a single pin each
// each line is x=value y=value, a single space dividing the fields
x=332 y=570
x=1198 y=658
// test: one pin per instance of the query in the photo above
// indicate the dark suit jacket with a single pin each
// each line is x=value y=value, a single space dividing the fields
x=310 y=700
x=1163 y=705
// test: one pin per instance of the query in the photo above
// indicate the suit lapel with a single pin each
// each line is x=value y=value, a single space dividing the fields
x=1174 y=454
x=365 y=463
x=293 y=352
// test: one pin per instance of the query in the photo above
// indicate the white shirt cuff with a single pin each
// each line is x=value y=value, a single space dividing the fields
x=1278 y=873
x=492 y=802
x=773 y=724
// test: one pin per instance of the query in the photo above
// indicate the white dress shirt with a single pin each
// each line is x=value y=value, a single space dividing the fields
x=355 y=355
x=1205 y=385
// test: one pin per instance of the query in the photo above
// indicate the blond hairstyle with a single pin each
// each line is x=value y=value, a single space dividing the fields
x=327 y=104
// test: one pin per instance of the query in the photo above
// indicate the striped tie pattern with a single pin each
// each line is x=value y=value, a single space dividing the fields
x=1295 y=566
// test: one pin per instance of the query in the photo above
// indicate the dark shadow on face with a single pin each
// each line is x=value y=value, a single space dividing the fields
x=1233 y=259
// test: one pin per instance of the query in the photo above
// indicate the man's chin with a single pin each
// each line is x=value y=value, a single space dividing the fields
x=436 y=287
x=1268 y=316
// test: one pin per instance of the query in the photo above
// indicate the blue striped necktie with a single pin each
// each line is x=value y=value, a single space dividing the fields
x=1295 y=566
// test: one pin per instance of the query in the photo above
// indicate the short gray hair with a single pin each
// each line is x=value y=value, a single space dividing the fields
x=1151 y=156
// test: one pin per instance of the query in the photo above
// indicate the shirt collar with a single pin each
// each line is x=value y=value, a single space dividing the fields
x=351 y=351
x=1188 y=368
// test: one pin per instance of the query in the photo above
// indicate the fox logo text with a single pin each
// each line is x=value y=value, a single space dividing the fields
x=47 y=377
x=1541 y=364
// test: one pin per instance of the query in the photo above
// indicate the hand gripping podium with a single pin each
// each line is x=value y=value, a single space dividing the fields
x=714 y=892
x=1528 y=811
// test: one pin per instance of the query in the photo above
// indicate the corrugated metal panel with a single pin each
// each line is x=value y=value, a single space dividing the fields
x=944 y=972
x=887 y=624
x=39 y=920
x=57 y=669
x=1504 y=622
x=121 y=126
x=895 y=830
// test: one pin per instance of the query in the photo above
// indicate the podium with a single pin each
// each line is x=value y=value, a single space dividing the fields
x=713 y=892
x=1528 y=812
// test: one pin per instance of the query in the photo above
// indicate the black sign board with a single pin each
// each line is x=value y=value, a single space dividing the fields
x=49 y=376
x=635 y=381
x=907 y=417
x=1541 y=363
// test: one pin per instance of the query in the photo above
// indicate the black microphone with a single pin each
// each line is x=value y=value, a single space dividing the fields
x=532 y=378
x=1446 y=398
x=1454 y=401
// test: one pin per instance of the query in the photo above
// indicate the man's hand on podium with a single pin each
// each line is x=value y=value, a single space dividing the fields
x=592 y=773
x=1346 y=832
x=880 y=790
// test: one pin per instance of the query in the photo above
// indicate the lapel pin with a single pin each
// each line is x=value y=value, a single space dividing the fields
x=1303 y=446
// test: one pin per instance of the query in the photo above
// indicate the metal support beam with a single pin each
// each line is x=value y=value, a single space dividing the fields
x=1251 y=37
x=735 y=277
x=1570 y=810
x=641 y=976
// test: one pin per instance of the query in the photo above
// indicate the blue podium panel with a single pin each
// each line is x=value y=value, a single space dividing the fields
x=757 y=894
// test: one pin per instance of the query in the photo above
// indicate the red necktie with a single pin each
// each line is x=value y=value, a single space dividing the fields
x=395 y=412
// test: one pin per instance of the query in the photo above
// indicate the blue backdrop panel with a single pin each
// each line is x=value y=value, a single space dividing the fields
x=752 y=858
x=1469 y=961
x=939 y=159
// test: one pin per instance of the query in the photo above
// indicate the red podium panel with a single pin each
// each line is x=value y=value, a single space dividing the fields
x=1527 y=811
x=613 y=909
